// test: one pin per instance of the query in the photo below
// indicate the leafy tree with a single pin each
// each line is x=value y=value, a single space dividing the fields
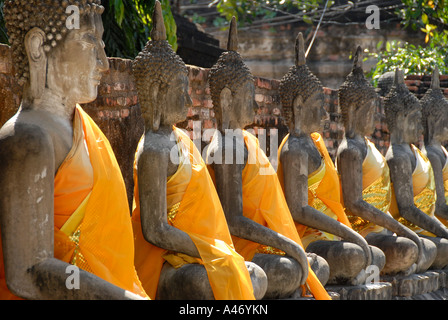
x=127 y=25
x=429 y=17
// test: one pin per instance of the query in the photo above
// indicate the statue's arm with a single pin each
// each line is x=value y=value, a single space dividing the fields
x=229 y=187
x=350 y=170
x=441 y=205
x=401 y=176
x=26 y=206
x=295 y=177
x=152 y=176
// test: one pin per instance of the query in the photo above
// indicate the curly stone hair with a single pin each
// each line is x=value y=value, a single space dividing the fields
x=49 y=15
x=299 y=81
x=356 y=91
x=434 y=104
x=399 y=100
x=156 y=63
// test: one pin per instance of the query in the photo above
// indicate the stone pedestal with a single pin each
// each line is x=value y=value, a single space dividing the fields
x=431 y=285
x=373 y=291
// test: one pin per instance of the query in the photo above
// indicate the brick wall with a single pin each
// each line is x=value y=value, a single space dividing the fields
x=117 y=112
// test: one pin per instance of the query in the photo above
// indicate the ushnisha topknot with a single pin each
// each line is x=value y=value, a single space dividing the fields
x=299 y=81
x=157 y=64
x=399 y=100
x=48 y=15
x=229 y=72
x=434 y=104
x=356 y=91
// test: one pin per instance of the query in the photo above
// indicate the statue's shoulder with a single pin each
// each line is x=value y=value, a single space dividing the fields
x=352 y=149
x=399 y=154
x=24 y=132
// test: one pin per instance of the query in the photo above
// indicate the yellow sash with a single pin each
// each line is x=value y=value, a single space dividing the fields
x=194 y=207
x=424 y=192
x=264 y=203
x=376 y=189
x=323 y=192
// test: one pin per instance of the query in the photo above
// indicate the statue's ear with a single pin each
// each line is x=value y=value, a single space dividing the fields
x=225 y=99
x=156 y=112
x=37 y=60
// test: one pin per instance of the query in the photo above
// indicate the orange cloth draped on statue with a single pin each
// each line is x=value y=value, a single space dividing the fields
x=323 y=192
x=264 y=203
x=93 y=228
x=423 y=185
x=194 y=207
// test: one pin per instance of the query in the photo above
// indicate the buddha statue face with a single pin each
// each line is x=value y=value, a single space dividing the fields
x=75 y=66
x=358 y=100
x=237 y=107
x=309 y=114
x=403 y=112
x=412 y=125
x=49 y=56
x=177 y=99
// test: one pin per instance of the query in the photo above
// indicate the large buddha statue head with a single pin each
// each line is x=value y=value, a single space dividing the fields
x=57 y=48
x=357 y=100
x=232 y=87
x=302 y=95
x=403 y=112
x=435 y=112
x=161 y=79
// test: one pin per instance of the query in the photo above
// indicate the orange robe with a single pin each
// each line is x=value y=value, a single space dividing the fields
x=323 y=192
x=424 y=189
x=264 y=203
x=92 y=222
x=194 y=207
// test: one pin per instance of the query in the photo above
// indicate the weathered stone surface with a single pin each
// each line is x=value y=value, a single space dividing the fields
x=415 y=284
x=373 y=291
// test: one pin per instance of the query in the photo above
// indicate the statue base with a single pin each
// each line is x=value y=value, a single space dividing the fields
x=371 y=291
x=431 y=285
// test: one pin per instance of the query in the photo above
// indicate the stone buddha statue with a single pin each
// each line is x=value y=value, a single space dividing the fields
x=183 y=246
x=256 y=211
x=310 y=180
x=365 y=179
x=413 y=192
x=62 y=193
x=435 y=131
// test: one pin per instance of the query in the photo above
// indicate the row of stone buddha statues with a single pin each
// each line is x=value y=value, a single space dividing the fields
x=203 y=229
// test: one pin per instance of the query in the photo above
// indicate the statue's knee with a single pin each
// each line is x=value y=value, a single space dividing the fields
x=258 y=278
x=441 y=256
x=320 y=267
x=400 y=253
x=283 y=274
x=345 y=259
x=189 y=282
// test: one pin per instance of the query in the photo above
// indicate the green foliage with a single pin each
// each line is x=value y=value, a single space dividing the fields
x=410 y=58
x=127 y=26
x=247 y=11
x=3 y=35
x=429 y=17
